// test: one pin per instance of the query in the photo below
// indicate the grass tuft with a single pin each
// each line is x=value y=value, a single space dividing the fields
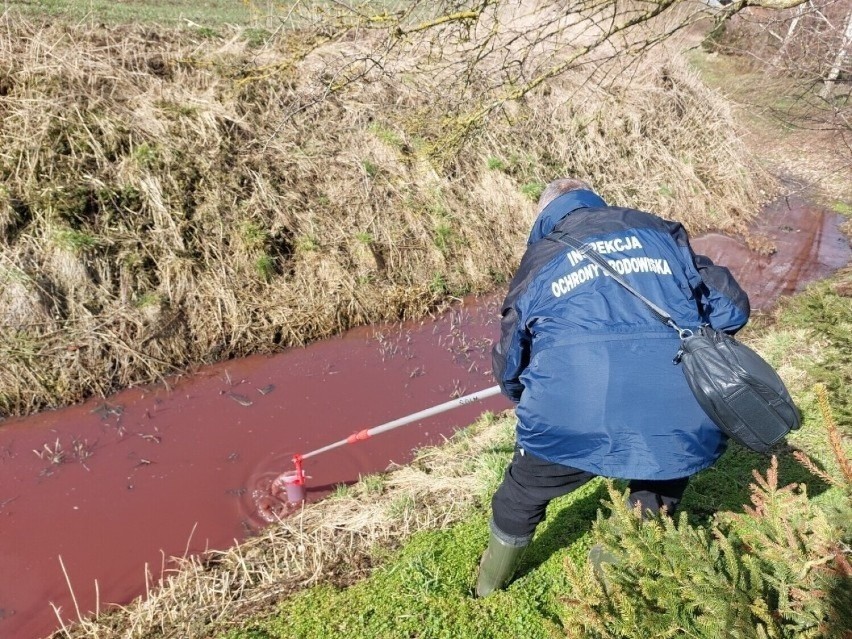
x=292 y=183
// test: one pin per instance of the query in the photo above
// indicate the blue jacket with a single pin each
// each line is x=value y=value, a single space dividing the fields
x=588 y=365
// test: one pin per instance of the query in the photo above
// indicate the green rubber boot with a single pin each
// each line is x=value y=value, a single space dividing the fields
x=498 y=564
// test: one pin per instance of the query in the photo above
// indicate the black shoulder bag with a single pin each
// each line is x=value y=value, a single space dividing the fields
x=738 y=390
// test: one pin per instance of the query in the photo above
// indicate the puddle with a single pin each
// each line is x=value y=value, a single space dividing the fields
x=115 y=488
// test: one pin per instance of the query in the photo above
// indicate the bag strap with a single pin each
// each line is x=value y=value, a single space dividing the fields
x=587 y=251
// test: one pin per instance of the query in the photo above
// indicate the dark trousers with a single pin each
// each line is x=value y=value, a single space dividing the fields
x=530 y=483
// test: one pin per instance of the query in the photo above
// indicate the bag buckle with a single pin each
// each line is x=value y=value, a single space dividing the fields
x=683 y=333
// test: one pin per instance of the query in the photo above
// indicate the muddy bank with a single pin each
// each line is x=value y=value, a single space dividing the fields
x=115 y=487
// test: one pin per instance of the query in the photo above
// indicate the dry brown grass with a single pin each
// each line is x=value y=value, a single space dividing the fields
x=168 y=200
x=333 y=541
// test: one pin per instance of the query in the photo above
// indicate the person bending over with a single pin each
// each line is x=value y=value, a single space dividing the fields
x=590 y=368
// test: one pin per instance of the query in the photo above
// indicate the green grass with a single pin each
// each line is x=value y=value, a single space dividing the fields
x=76 y=241
x=254 y=236
x=370 y=168
x=438 y=284
x=533 y=190
x=844 y=208
x=374 y=484
x=496 y=164
x=184 y=13
x=444 y=236
x=366 y=238
x=260 y=17
x=425 y=589
x=388 y=136
x=265 y=267
x=307 y=244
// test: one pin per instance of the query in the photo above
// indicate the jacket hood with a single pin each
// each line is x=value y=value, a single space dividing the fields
x=559 y=208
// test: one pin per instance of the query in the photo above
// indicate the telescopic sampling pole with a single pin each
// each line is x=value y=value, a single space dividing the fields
x=402 y=421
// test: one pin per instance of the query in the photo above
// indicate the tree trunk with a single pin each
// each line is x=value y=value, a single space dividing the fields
x=777 y=58
x=837 y=65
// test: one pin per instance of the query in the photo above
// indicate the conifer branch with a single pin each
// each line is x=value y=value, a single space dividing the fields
x=834 y=438
x=843 y=479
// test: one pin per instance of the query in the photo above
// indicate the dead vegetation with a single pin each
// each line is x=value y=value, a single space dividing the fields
x=168 y=200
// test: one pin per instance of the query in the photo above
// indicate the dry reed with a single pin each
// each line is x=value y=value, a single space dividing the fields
x=168 y=200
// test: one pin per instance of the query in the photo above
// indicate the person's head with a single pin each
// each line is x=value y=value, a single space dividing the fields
x=560 y=187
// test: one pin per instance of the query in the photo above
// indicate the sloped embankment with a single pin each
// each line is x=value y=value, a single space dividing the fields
x=168 y=199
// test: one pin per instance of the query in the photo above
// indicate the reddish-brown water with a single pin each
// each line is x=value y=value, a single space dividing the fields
x=110 y=489
x=160 y=473
x=808 y=247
